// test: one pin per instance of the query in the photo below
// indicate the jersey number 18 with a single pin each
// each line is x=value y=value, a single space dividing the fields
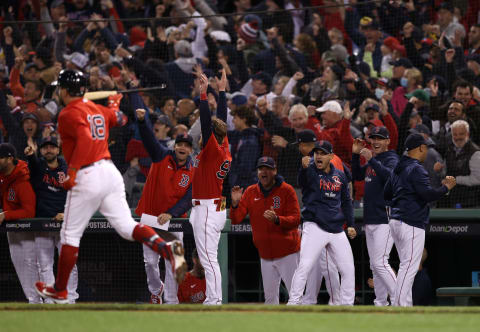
x=97 y=126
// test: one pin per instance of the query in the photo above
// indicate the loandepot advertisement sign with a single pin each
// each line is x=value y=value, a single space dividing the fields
x=454 y=229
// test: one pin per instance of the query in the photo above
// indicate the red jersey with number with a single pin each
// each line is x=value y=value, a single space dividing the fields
x=83 y=127
x=192 y=289
x=211 y=168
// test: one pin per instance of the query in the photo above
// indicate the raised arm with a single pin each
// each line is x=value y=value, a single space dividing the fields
x=239 y=207
x=222 y=98
x=205 y=114
x=156 y=150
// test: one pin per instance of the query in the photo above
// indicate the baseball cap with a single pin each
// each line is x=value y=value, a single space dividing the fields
x=372 y=107
x=474 y=57
x=77 y=58
x=402 y=62
x=445 y=5
x=31 y=65
x=220 y=35
x=420 y=129
x=368 y=22
x=381 y=132
x=163 y=119
x=30 y=116
x=420 y=94
x=413 y=141
x=332 y=106
x=306 y=136
x=238 y=98
x=184 y=138
x=267 y=162
x=7 y=150
x=52 y=140
x=323 y=145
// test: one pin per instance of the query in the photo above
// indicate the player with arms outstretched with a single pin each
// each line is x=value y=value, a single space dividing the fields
x=208 y=214
x=94 y=183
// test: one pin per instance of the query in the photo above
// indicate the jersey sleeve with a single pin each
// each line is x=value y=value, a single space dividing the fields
x=347 y=205
x=27 y=199
x=240 y=212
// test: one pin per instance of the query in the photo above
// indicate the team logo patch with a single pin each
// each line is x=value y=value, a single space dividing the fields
x=276 y=202
x=11 y=194
x=184 y=181
x=336 y=179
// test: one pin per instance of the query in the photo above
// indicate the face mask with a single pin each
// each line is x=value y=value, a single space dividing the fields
x=404 y=82
x=379 y=93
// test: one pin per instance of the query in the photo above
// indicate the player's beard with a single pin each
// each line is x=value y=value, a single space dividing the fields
x=50 y=157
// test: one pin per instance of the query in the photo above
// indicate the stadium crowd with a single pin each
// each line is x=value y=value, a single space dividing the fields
x=339 y=70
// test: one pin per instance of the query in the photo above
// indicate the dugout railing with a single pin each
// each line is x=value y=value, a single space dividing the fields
x=111 y=269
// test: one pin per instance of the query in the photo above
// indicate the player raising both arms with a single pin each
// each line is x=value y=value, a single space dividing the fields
x=94 y=183
x=208 y=214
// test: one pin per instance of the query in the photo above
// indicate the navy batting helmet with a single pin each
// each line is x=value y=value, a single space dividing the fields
x=73 y=81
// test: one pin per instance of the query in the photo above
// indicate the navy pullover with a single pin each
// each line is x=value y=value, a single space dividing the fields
x=409 y=191
x=326 y=198
x=45 y=181
x=375 y=173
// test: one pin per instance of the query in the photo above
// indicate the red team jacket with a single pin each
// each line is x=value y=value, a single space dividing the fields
x=84 y=127
x=18 y=198
x=164 y=187
x=192 y=289
x=272 y=241
x=211 y=168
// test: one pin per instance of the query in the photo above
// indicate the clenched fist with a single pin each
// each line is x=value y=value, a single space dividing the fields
x=306 y=161
x=140 y=114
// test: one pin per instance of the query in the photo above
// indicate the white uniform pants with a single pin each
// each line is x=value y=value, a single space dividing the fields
x=274 y=271
x=379 y=245
x=98 y=187
x=409 y=242
x=24 y=259
x=155 y=284
x=314 y=239
x=327 y=269
x=45 y=243
x=207 y=225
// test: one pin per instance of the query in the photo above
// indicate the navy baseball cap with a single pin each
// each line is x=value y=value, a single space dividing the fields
x=381 y=132
x=372 y=107
x=52 y=140
x=267 y=162
x=402 y=62
x=30 y=116
x=420 y=129
x=7 y=150
x=413 y=141
x=184 y=138
x=325 y=146
x=264 y=77
x=306 y=136
x=163 y=119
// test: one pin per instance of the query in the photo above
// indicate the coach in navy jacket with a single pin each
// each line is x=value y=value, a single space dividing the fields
x=409 y=188
x=326 y=197
x=409 y=191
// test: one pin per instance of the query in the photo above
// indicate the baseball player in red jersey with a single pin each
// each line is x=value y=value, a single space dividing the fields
x=18 y=202
x=94 y=183
x=208 y=214
x=192 y=289
x=167 y=193
x=274 y=212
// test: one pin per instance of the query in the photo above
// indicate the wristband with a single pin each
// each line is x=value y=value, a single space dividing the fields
x=203 y=96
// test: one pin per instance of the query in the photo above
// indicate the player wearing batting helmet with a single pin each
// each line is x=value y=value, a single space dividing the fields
x=376 y=172
x=409 y=191
x=94 y=183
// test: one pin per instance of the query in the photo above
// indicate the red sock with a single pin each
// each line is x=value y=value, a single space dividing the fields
x=66 y=262
x=146 y=235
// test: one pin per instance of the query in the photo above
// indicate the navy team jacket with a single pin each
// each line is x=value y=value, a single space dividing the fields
x=375 y=173
x=46 y=183
x=326 y=198
x=409 y=191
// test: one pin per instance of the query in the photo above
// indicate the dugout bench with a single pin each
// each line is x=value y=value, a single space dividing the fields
x=458 y=296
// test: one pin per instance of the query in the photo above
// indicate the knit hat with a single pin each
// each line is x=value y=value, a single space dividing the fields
x=7 y=150
x=249 y=32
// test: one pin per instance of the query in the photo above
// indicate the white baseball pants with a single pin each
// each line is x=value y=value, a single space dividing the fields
x=24 y=259
x=327 y=269
x=314 y=239
x=45 y=243
x=379 y=245
x=274 y=271
x=409 y=242
x=98 y=187
x=207 y=225
x=155 y=284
